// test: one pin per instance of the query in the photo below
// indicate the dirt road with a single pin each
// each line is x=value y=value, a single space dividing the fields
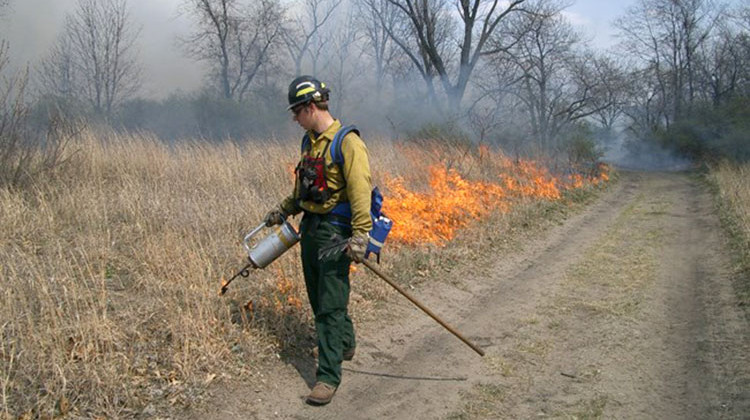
x=624 y=311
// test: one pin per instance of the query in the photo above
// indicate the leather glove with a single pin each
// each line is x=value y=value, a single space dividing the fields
x=357 y=246
x=274 y=217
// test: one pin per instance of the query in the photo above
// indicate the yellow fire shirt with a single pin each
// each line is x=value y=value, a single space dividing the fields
x=354 y=173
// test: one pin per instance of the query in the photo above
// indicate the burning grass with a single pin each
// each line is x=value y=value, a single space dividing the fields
x=451 y=200
x=110 y=268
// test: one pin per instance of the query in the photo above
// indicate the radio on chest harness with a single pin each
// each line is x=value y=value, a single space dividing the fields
x=313 y=186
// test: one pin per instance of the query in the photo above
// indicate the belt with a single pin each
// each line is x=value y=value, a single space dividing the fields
x=332 y=218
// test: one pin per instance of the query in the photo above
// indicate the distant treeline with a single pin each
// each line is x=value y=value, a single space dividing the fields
x=180 y=116
x=514 y=74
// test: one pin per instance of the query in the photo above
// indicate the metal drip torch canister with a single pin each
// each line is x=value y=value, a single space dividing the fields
x=272 y=246
x=265 y=251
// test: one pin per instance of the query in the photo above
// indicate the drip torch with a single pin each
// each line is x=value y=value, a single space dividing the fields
x=265 y=251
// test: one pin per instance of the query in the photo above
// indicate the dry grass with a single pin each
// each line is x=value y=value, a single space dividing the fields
x=732 y=188
x=111 y=267
x=484 y=401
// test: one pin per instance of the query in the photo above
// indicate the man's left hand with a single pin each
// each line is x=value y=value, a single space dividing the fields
x=357 y=247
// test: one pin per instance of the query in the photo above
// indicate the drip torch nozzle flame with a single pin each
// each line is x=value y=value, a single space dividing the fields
x=224 y=284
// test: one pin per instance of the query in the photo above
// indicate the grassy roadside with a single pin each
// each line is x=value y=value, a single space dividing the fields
x=111 y=267
x=729 y=182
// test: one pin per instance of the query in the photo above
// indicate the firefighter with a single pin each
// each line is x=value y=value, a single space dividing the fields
x=335 y=199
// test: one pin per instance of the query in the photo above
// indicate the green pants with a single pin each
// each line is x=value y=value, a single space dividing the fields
x=328 y=290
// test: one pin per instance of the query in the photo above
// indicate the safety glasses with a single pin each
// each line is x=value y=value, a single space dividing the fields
x=297 y=109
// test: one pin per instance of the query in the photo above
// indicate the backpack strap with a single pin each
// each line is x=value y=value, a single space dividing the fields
x=337 y=156
x=305 y=143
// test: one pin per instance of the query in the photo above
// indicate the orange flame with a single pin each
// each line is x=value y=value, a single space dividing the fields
x=452 y=201
x=286 y=293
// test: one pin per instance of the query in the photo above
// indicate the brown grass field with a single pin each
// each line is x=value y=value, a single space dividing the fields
x=111 y=264
x=732 y=190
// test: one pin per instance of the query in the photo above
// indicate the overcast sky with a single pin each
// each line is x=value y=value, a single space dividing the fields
x=31 y=27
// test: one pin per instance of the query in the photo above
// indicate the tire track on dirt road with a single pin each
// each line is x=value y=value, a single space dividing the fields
x=643 y=324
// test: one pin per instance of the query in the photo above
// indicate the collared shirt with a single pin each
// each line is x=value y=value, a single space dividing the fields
x=353 y=175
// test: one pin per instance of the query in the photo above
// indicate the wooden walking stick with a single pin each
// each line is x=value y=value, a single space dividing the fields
x=398 y=288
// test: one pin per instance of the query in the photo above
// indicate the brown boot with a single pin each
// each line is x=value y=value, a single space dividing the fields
x=348 y=353
x=321 y=394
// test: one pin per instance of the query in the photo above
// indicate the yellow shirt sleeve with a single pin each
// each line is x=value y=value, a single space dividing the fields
x=289 y=205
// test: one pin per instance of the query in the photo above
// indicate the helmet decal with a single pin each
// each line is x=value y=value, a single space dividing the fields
x=310 y=84
x=305 y=91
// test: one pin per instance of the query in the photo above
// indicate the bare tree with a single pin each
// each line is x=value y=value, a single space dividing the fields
x=346 y=59
x=724 y=60
x=432 y=27
x=723 y=66
x=26 y=151
x=378 y=18
x=602 y=89
x=547 y=73
x=435 y=19
x=303 y=28
x=235 y=38
x=15 y=155
x=318 y=47
x=57 y=72
x=646 y=107
x=102 y=39
x=94 y=58
x=666 y=36
x=744 y=17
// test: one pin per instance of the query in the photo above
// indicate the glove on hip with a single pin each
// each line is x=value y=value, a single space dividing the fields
x=357 y=247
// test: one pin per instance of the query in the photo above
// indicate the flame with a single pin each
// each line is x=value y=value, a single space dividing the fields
x=529 y=179
x=452 y=201
x=286 y=293
x=224 y=283
x=451 y=204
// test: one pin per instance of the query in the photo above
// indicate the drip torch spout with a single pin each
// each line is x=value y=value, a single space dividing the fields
x=244 y=272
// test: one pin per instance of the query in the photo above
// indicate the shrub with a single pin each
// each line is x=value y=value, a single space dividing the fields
x=711 y=131
x=581 y=148
x=26 y=149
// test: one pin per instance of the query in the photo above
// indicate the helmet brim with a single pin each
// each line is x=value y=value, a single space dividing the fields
x=299 y=102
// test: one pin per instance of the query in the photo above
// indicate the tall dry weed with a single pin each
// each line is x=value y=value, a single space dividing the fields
x=730 y=180
x=111 y=271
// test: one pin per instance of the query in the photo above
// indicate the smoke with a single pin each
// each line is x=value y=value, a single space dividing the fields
x=626 y=152
x=32 y=26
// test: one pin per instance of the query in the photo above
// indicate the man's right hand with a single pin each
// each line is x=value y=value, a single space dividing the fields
x=274 y=217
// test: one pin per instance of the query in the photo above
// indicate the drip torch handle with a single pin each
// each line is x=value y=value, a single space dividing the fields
x=419 y=304
x=249 y=236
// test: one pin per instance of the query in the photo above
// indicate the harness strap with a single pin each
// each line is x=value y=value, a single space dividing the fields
x=337 y=156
